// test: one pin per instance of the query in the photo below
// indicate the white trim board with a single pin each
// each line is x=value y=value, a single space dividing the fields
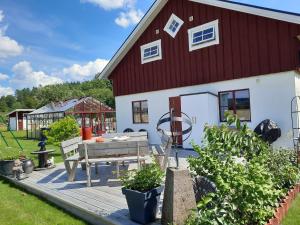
x=235 y=6
x=158 y=6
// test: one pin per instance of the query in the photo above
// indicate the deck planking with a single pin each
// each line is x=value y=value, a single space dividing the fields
x=103 y=203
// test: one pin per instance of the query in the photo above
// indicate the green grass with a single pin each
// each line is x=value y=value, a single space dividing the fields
x=293 y=216
x=19 y=208
x=28 y=145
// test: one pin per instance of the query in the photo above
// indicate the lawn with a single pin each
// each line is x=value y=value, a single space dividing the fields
x=28 y=145
x=18 y=207
x=293 y=216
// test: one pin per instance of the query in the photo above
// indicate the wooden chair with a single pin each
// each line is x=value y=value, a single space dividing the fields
x=114 y=152
x=162 y=152
x=69 y=152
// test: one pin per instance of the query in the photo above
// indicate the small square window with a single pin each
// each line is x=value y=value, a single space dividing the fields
x=204 y=35
x=140 y=112
x=173 y=25
x=151 y=52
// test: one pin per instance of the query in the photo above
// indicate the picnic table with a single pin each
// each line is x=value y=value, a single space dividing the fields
x=114 y=148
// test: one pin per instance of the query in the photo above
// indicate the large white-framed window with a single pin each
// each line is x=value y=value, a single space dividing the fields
x=151 y=52
x=204 y=35
x=173 y=25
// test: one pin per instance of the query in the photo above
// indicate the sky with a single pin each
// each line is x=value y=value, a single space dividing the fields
x=53 y=41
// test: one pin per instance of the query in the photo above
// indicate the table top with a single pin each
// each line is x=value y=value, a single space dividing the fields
x=111 y=140
x=42 y=152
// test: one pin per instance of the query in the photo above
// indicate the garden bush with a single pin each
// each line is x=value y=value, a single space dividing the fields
x=245 y=171
x=150 y=176
x=62 y=130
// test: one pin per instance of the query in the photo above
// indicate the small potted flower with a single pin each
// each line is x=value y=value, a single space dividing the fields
x=142 y=189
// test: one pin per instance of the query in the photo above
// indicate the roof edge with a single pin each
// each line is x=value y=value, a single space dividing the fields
x=159 y=4
x=253 y=9
x=132 y=38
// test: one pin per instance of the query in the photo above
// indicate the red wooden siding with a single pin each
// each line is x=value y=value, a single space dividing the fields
x=20 y=120
x=249 y=46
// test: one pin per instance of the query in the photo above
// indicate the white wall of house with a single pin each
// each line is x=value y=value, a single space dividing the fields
x=13 y=123
x=202 y=109
x=270 y=97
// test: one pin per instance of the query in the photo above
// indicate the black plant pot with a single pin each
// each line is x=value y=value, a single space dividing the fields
x=6 y=167
x=28 y=166
x=142 y=206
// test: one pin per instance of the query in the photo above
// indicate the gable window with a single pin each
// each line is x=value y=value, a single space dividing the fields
x=140 y=111
x=151 y=52
x=173 y=25
x=204 y=35
x=235 y=102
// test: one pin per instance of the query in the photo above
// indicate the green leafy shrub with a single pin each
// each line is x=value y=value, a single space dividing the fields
x=281 y=163
x=62 y=130
x=147 y=178
x=248 y=189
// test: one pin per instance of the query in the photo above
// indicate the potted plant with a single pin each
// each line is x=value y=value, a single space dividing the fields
x=7 y=162
x=142 y=189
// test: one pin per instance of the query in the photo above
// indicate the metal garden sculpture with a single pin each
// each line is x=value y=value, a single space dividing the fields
x=175 y=132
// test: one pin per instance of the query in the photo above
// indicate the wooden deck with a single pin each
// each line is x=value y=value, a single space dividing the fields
x=103 y=203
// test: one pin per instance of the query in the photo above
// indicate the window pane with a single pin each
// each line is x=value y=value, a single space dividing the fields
x=151 y=52
x=226 y=100
x=137 y=118
x=136 y=107
x=243 y=104
x=208 y=31
x=204 y=35
x=144 y=110
x=174 y=25
x=226 y=104
x=140 y=112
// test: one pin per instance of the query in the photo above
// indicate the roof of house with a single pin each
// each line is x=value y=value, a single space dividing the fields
x=63 y=106
x=158 y=6
x=20 y=110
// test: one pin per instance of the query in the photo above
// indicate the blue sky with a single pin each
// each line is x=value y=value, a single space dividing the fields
x=50 y=41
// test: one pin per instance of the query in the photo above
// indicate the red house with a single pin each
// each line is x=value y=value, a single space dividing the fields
x=17 y=119
x=206 y=57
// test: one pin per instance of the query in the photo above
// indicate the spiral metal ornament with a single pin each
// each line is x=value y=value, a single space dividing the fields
x=172 y=132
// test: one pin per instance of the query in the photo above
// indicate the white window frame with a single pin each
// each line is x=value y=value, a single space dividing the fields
x=171 y=19
x=149 y=45
x=194 y=30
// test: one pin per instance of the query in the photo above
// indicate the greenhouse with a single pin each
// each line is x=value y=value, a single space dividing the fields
x=88 y=112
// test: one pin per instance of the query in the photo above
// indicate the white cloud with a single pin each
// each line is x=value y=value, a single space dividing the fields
x=6 y=91
x=78 y=72
x=8 y=46
x=25 y=77
x=3 y=76
x=131 y=17
x=1 y=15
x=111 y=4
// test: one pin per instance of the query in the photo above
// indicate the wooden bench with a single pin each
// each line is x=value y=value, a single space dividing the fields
x=70 y=154
x=136 y=148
